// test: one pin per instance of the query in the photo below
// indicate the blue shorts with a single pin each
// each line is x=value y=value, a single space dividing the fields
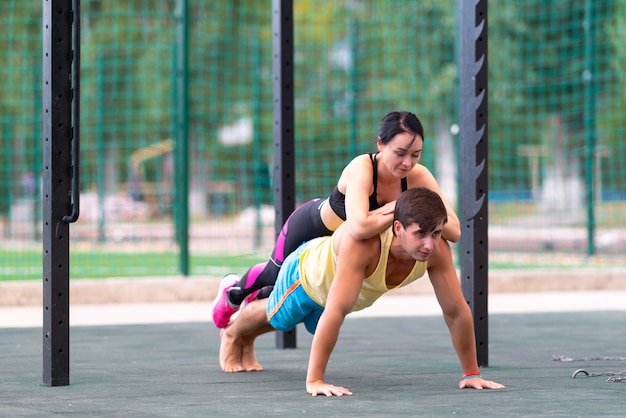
x=288 y=303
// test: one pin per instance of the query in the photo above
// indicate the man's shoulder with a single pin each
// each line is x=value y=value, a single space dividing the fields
x=365 y=250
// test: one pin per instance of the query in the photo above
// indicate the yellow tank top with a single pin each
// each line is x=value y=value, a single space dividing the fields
x=318 y=265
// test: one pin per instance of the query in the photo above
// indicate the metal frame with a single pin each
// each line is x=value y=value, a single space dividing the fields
x=61 y=152
x=284 y=132
x=60 y=179
x=473 y=181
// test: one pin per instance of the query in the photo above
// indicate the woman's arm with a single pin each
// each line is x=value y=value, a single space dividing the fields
x=356 y=180
x=361 y=223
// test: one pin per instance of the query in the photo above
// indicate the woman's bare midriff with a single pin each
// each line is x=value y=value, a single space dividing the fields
x=329 y=218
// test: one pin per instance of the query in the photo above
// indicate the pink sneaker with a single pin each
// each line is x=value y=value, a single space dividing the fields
x=223 y=310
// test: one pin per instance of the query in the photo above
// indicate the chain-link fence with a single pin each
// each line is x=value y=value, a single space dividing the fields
x=556 y=120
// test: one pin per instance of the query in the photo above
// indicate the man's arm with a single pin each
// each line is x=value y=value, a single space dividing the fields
x=353 y=259
x=457 y=315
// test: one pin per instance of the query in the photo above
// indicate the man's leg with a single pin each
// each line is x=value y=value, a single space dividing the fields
x=237 y=339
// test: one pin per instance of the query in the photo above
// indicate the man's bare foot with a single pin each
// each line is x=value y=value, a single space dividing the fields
x=248 y=357
x=230 y=354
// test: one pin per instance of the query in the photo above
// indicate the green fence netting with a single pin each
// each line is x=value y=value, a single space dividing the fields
x=556 y=123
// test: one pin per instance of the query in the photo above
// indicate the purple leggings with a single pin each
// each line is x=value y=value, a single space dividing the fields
x=304 y=224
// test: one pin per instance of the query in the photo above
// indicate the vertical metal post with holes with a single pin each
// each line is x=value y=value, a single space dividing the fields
x=473 y=181
x=60 y=78
x=284 y=134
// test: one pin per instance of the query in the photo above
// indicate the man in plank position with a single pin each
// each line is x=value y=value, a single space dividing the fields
x=328 y=277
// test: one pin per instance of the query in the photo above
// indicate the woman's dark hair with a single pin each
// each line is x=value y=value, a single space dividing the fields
x=420 y=206
x=397 y=122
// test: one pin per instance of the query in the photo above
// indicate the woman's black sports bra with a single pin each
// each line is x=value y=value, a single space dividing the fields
x=337 y=200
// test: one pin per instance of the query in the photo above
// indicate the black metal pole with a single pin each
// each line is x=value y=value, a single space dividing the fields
x=284 y=158
x=474 y=182
x=60 y=180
